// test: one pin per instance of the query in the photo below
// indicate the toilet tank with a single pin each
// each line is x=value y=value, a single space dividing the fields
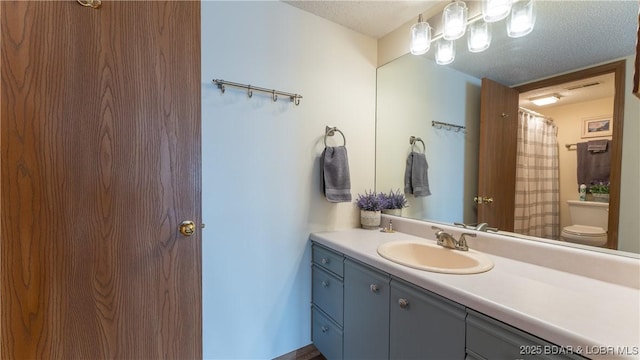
x=589 y=213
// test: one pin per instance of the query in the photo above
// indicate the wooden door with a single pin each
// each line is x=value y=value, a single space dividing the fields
x=497 y=158
x=100 y=141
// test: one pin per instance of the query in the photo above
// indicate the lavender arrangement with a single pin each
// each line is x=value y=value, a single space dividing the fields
x=599 y=187
x=370 y=201
x=395 y=200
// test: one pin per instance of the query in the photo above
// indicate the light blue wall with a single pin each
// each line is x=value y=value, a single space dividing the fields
x=261 y=189
x=413 y=91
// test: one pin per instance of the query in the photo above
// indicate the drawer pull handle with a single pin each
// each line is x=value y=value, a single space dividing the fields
x=324 y=261
x=404 y=303
x=374 y=288
x=325 y=283
x=324 y=329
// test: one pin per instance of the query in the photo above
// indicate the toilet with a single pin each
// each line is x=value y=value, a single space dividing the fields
x=589 y=223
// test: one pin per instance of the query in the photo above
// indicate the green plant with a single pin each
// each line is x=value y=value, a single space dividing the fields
x=599 y=187
x=395 y=200
x=370 y=201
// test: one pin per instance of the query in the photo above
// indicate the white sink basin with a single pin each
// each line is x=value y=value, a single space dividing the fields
x=435 y=258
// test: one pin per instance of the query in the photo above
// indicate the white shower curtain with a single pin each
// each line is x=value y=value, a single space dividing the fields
x=537 y=204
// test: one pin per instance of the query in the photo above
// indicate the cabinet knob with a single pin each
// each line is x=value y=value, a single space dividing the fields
x=324 y=329
x=324 y=261
x=325 y=283
x=374 y=288
x=404 y=303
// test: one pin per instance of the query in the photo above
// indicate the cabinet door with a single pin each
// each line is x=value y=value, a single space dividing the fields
x=492 y=339
x=366 y=312
x=424 y=325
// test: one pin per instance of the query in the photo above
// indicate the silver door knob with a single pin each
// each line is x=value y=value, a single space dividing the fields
x=404 y=303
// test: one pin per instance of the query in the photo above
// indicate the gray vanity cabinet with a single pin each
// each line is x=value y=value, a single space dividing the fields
x=488 y=339
x=327 y=293
x=366 y=312
x=424 y=325
x=359 y=312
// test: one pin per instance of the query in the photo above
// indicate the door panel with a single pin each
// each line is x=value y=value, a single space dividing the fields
x=100 y=141
x=497 y=158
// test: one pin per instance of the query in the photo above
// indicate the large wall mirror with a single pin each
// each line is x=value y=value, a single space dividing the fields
x=441 y=106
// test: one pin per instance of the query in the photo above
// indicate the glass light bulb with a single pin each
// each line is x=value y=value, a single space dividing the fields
x=445 y=52
x=522 y=19
x=479 y=37
x=454 y=18
x=495 y=10
x=420 y=38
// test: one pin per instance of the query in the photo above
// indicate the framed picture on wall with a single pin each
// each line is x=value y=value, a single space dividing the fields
x=597 y=126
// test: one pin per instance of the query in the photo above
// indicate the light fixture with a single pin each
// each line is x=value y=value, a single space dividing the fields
x=545 y=100
x=495 y=10
x=522 y=19
x=479 y=37
x=454 y=18
x=420 y=37
x=445 y=52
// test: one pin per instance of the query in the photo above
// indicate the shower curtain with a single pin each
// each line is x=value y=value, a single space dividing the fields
x=537 y=201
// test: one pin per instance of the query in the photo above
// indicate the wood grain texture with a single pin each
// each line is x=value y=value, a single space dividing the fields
x=100 y=141
x=618 y=68
x=497 y=154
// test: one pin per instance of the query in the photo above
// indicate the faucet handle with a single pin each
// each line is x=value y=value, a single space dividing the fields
x=466 y=226
x=462 y=243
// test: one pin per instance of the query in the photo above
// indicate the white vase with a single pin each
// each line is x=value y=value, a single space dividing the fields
x=396 y=212
x=370 y=219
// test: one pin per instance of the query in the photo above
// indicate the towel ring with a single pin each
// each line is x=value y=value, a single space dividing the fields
x=413 y=140
x=330 y=131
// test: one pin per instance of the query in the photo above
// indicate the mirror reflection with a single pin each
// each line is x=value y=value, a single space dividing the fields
x=441 y=106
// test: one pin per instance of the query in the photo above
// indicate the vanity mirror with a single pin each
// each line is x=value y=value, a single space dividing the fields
x=416 y=96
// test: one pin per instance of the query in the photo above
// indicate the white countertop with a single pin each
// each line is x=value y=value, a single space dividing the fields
x=564 y=308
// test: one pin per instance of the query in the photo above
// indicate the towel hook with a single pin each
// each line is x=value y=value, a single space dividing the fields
x=249 y=92
x=413 y=140
x=296 y=99
x=274 y=96
x=330 y=131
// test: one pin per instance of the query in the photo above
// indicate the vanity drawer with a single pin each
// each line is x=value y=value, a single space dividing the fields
x=326 y=335
x=328 y=259
x=327 y=293
x=491 y=339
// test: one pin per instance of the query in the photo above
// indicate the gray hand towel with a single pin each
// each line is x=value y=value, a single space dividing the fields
x=593 y=166
x=597 y=145
x=416 y=181
x=335 y=174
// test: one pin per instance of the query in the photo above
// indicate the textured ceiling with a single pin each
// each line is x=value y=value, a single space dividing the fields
x=567 y=35
x=597 y=87
x=373 y=18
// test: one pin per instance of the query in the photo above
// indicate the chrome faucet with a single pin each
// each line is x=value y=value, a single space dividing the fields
x=447 y=240
x=480 y=227
x=485 y=227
